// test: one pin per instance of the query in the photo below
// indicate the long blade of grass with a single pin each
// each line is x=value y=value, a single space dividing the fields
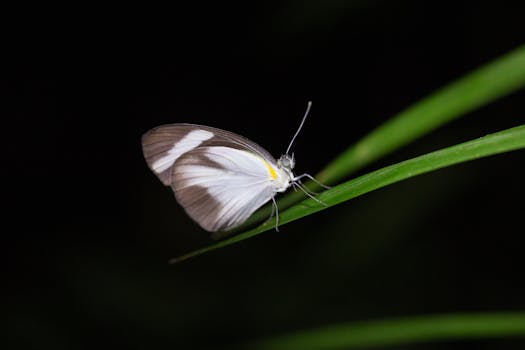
x=476 y=89
x=487 y=83
x=400 y=332
x=504 y=141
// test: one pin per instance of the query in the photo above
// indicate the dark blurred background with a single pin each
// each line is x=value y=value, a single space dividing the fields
x=88 y=228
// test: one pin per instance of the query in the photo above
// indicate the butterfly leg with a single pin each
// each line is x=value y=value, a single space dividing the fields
x=306 y=188
x=306 y=191
x=276 y=214
x=311 y=178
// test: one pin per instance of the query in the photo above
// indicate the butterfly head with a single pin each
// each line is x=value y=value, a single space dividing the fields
x=287 y=163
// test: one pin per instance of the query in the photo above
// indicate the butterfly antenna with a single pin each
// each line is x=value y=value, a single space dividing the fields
x=300 y=126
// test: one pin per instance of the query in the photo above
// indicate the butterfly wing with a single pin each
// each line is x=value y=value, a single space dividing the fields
x=163 y=145
x=219 y=178
x=220 y=187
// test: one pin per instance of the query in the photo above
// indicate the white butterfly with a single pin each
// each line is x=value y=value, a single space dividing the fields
x=220 y=178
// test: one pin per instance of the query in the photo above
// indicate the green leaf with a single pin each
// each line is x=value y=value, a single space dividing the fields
x=474 y=90
x=400 y=331
x=504 y=141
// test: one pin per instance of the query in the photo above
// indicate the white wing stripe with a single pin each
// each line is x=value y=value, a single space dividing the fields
x=240 y=210
x=192 y=140
x=236 y=160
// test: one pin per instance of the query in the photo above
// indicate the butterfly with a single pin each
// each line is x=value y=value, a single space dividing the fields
x=218 y=177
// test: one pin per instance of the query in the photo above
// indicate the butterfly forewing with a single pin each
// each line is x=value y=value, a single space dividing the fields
x=180 y=138
x=220 y=178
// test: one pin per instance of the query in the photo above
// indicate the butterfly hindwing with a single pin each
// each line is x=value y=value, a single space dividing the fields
x=220 y=187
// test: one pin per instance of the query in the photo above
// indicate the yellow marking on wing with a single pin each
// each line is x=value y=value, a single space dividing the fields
x=270 y=170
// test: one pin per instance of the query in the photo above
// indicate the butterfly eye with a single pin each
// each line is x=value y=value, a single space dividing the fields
x=286 y=161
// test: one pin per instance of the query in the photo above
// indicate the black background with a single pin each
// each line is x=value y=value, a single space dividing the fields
x=88 y=228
